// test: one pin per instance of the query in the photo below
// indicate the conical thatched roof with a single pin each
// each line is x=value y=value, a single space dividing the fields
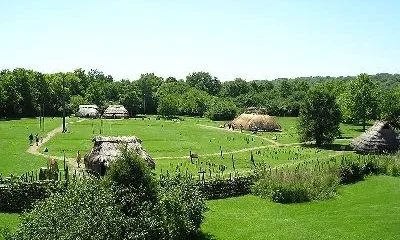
x=256 y=121
x=116 y=111
x=88 y=111
x=107 y=149
x=379 y=138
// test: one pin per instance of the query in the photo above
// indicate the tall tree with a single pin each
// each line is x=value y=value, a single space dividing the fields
x=148 y=84
x=390 y=106
x=319 y=117
x=204 y=81
x=359 y=102
x=168 y=105
x=235 y=88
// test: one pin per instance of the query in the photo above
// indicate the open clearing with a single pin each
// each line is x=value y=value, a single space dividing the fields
x=248 y=217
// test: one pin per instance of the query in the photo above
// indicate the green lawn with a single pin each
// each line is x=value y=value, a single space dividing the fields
x=170 y=142
x=366 y=210
x=9 y=220
x=14 y=142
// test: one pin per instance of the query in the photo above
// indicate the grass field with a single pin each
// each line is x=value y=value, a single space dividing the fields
x=349 y=216
x=9 y=220
x=14 y=142
x=365 y=210
x=169 y=142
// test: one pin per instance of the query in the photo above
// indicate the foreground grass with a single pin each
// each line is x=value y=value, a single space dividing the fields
x=365 y=210
x=14 y=142
x=9 y=220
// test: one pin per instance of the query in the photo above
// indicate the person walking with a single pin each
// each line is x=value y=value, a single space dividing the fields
x=78 y=158
x=31 y=139
x=37 y=139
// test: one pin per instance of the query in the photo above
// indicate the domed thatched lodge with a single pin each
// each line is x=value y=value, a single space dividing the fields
x=256 y=119
x=89 y=111
x=379 y=138
x=108 y=149
x=116 y=111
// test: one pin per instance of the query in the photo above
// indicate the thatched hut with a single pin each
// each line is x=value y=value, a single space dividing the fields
x=89 y=111
x=261 y=122
x=379 y=138
x=116 y=111
x=107 y=149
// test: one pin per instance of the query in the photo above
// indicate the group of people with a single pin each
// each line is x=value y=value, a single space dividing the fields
x=31 y=137
x=40 y=139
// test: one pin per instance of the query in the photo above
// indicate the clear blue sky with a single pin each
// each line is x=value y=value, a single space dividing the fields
x=248 y=39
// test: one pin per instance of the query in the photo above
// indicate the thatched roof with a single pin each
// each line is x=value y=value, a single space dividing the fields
x=107 y=149
x=88 y=111
x=379 y=138
x=116 y=111
x=256 y=121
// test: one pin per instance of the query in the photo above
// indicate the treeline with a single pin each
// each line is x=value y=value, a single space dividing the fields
x=27 y=93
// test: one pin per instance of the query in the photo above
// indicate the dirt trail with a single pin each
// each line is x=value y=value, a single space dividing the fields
x=247 y=134
x=35 y=149
x=218 y=153
x=274 y=143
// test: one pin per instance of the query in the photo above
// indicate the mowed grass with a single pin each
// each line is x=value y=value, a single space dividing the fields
x=9 y=220
x=169 y=143
x=366 y=210
x=14 y=142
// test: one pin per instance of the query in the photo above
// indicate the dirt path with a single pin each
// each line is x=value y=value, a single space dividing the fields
x=244 y=133
x=218 y=153
x=35 y=149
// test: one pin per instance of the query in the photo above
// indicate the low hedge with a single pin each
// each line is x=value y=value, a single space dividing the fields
x=20 y=196
x=225 y=188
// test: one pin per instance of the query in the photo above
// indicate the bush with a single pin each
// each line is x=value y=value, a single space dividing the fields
x=85 y=211
x=225 y=188
x=127 y=204
x=351 y=172
x=182 y=206
x=19 y=196
x=294 y=186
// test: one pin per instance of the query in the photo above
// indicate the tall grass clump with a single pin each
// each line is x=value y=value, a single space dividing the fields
x=301 y=184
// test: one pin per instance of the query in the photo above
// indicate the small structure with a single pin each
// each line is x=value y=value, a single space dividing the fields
x=116 y=111
x=89 y=111
x=379 y=138
x=255 y=122
x=108 y=149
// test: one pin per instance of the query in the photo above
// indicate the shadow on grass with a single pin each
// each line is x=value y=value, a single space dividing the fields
x=202 y=236
x=359 y=129
x=9 y=118
x=333 y=147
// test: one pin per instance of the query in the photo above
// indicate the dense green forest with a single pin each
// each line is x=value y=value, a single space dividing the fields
x=25 y=93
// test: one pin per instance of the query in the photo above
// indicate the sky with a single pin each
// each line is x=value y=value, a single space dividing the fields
x=248 y=39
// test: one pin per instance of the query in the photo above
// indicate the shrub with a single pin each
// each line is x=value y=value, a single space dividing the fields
x=85 y=211
x=19 y=196
x=127 y=204
x=293 y=186
x=182 y=206
x=224 y=188
x=351 y=172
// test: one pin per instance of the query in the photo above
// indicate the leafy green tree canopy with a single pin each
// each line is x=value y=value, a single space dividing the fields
x=319 y=117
